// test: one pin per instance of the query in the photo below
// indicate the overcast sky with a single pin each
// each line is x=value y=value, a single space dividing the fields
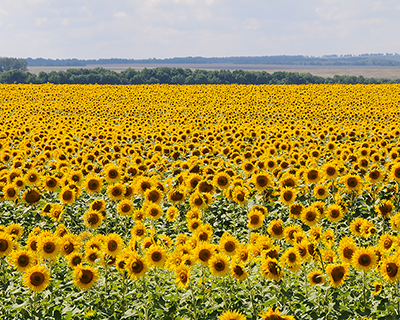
x=93 y=29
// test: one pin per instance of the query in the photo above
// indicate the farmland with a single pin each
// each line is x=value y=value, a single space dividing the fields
x=200 y=201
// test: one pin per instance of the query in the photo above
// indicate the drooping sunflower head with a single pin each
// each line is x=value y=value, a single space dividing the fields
x=337 y=274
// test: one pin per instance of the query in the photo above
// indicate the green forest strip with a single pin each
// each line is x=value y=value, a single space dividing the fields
x=165 y=75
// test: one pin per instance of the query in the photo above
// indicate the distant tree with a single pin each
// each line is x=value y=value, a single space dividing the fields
x=7 y=64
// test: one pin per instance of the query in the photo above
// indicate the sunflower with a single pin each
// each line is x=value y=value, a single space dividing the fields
x=31 y=196
x=346 y=249
x=395 y=222
x=219 y=264
x=385 y=209
x=85 y=277
x=328 y=238
x=116 y=191
x=76 y=177
x=374 y=175
x=276 y=228
x=125 y=207
x=352 y=182
x=10 y=192
x=205 y=186
x=156 y=256
x=395 y=173
x=182 y=273
x=310 y=216
x=337 y=274
x=138 y=231
x=387 y=242
x=290 y=233
x=204 y=232
x=92 y=184
x=256 y=219
x=239 y=194
x=67 y=195
x=51 y=183
x=334 y=213
x=98 y=205
x=377 y=288
x=112 y=173
x=312 y=175
x=48 y=246
x=21 y=259
x=232 y=315
x=92 y=219
x=242 y=253
x=15 y=230
x=316 y=277
x=222 y=180
x=56 y=212
x=69 y=244
x=113 y=244
x=238 y=271
x=153 y=211
x=92 y=255
x=295 y=210
x=197 y=201
x=320 y=192
x=261 y=181
x=153 y=195
x=37 y=278
x=32 y=177
x=74 y=259
x=330 y=171
x=228 y=244
x=271 y=269
x=177 y=196
x=172 y=213
x=121 y=261
x=390 y=269
x=270 y=314
x=19 y=182
x=292 y=259
x=136 y=266
x=143 y=184
x=288 y=195
x=355 y=226
x=203 y=252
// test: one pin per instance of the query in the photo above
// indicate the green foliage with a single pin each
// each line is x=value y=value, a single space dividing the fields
x=179 y=76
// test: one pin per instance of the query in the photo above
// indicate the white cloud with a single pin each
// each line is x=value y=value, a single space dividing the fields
x=119 y=15
x=168 y=28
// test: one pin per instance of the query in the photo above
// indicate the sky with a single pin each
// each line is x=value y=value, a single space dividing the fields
x=134 y=29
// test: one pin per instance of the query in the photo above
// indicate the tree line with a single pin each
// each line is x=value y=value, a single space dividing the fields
x=379 y=59
x=179 y=76
x=7 y=64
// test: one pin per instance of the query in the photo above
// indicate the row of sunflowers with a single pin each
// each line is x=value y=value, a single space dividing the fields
x=200 y=202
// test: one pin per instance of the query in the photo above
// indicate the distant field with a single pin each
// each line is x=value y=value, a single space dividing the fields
x=323 y=71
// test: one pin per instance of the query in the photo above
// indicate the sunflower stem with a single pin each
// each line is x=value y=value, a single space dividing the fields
x=251 y=293
x=364 y=292
x=195 y=316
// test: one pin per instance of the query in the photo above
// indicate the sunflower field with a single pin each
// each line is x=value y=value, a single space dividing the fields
x=226 y=202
